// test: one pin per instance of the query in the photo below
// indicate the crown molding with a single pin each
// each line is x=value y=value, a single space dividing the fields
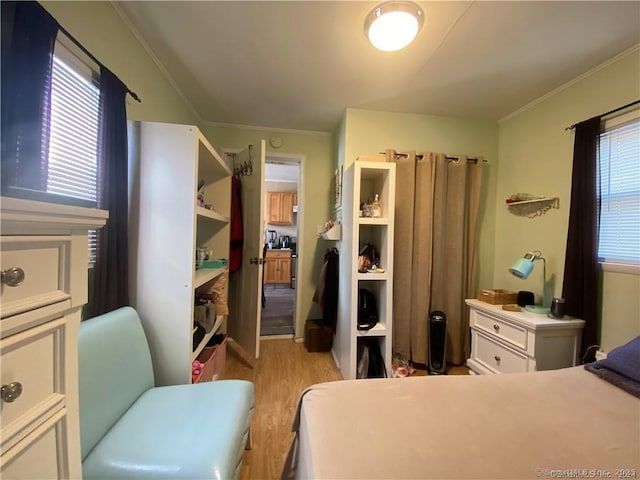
x=155 y=59
x=572 y=82
x=270 y=129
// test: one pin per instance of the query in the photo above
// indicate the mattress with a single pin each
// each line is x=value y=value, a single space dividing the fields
x=564 y=423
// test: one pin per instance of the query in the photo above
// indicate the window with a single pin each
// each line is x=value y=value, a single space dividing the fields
x=73 y=132
x=619 y=179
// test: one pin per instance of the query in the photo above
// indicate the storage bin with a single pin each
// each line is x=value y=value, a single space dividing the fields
x=317 y=338
x=207 y=357
x=497 y=296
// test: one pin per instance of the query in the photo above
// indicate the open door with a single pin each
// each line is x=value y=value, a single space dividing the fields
x=245 y=290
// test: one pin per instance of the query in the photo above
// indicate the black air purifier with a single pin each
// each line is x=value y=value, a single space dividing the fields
x=437 y=341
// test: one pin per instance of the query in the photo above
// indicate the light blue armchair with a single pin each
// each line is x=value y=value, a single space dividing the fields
x=131 y=429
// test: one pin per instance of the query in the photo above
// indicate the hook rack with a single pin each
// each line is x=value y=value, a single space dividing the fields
x=246 y=168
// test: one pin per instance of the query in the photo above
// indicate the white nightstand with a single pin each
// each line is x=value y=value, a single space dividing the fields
x=514 y=342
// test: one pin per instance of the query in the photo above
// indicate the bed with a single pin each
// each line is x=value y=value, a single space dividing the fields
x=567 y=423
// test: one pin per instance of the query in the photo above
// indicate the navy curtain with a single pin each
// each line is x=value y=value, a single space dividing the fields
x=581 y=270
x=28 y=39
x=111 y=271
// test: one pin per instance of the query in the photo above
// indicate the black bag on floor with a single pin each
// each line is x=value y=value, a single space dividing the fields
x=370 y=360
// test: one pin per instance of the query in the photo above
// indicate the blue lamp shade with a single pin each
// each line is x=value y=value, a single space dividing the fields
x=521 y=268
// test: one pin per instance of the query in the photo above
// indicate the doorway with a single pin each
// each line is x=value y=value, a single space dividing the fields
x=282 y=190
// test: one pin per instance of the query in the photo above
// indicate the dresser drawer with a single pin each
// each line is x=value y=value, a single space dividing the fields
x=496 y=357
x=494 y=327
x=31 y=371
x=44 y=264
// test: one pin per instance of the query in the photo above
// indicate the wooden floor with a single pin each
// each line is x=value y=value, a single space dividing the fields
x=283 y=371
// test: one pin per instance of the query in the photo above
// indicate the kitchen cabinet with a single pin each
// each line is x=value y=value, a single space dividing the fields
x=280 y=207
x=516 y=342
x=45 y=252
x=361 y=181
x=176 y=166
x=277 y=267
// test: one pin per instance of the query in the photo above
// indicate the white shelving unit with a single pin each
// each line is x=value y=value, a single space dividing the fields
x=166 y=228
x=361 y=181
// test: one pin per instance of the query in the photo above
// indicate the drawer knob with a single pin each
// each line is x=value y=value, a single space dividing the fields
x=13 y=277
x=496 y=358
x=496 y=327
x=11 y=392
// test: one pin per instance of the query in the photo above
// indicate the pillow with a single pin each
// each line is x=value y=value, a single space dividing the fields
x=621 y=367
x=624 y=360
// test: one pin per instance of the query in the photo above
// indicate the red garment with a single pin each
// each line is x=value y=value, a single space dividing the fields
x=236 y=236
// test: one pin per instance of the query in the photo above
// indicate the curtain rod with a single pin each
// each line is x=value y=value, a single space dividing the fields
x=90 y=55
x=571 y=127
x=420 y=157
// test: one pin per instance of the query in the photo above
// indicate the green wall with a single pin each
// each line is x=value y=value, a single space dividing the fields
x=316 y=174
x=535 y=154
x=99 y=27
x=369 y=132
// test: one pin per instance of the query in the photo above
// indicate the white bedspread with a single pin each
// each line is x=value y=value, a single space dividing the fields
x=553 y=424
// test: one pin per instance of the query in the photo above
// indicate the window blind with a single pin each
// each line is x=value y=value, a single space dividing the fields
x=73 y=134
x=619 y=177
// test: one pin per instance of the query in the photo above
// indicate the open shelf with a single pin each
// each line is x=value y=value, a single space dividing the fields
x=533 y=207
x=204 y=275
x=378 y=331
x=211 y=214
x=207 y=337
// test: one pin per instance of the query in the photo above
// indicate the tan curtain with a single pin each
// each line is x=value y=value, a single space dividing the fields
x=438 y=239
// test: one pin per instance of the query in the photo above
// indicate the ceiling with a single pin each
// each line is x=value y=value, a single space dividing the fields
x=299 y=64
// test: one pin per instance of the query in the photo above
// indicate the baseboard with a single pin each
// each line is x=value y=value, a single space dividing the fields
x=600 y=355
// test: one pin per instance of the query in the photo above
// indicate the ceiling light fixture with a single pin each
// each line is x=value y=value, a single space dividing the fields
x=392 y=26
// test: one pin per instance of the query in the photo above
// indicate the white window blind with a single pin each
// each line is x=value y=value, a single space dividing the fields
x=73 y=134
x=619 y=175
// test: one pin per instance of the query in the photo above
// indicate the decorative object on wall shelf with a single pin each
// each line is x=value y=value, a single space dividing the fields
x=526 y=205
x=331 y=230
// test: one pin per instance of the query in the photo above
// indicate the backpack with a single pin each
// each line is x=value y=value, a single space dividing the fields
x=367 y=310
x=370 y=359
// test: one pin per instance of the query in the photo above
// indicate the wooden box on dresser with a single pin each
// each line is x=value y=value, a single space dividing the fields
x=503 y=341
x=167 y=226
x=362 y=181
x=44 y=287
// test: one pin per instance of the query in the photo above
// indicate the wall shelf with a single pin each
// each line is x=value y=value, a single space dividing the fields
x=334 y=233
x=532 y=207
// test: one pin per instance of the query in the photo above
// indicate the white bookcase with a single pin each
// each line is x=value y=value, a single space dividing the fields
x=362 y=180
x=166 y=228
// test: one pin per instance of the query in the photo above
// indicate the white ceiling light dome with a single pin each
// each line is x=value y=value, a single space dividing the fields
x=392 y=25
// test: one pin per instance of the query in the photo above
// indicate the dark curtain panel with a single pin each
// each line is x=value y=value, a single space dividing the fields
x=28 y=39
x=111 y=287
x=581 y=271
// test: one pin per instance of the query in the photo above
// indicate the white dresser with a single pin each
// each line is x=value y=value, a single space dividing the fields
x=513 y=342
x=44 y=286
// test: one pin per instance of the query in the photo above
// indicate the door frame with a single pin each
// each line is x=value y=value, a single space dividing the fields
x=293 y=159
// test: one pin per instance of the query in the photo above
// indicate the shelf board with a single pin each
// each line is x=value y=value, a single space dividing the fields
x=373 y=220
x=536 y=200
x=211 y=214
x=210 y=165
x=380 y=330
x=372 y=276
x=207 y=337
x=204 y=275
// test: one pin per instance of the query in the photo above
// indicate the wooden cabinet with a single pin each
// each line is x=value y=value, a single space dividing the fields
x=515 y=342
x=363 y=180
x=277 y=267
x=168 y=227
x=280 y=207
x=44 y=259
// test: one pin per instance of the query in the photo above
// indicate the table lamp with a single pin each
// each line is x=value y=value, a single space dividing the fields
x=522 y=268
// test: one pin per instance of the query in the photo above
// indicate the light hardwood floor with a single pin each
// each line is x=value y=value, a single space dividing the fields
x=283 y=371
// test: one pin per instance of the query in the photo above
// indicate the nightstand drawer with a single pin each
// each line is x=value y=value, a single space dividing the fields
x=513 y=334
x=497 y=357
x=35 y=272
x=32 y=378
